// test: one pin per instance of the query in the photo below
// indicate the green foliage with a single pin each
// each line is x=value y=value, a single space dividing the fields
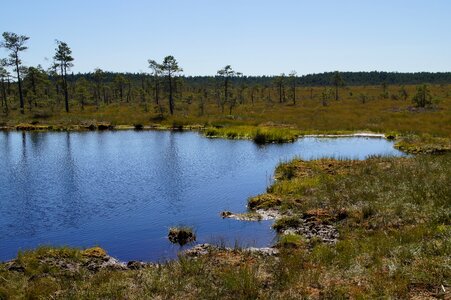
x=423 y=96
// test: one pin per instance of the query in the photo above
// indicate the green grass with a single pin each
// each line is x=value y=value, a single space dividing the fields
x=260 y=135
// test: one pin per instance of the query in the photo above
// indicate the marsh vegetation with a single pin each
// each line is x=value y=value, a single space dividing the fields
x=346 y=228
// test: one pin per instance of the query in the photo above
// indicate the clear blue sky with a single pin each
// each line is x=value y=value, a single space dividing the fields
x=256 y=37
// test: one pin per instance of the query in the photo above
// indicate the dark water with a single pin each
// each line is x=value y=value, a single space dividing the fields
x=123 y=190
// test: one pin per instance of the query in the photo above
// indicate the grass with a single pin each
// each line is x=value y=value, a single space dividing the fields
x=260 y=135
x=423 y=144
x=286 y=223
x=285 y=120
x=290 y=241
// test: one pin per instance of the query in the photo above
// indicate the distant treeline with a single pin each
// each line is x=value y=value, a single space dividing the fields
x=320 y=79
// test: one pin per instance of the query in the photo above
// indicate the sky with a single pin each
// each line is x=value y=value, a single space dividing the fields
x=256 y=37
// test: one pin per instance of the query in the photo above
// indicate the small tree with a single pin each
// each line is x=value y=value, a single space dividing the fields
x=35 y=84
x=156 y=72
x=279 y=82
x=119 y=84
x=3 y=79
x=363 y=98
x=325 y=96
x=82 y=91
x=170 y=68
x=403 y=93
x=338 y=82
x=423 y=96
x=99 y=77
x=63 y=61
x=293 y=79
x=254 y=90
x=385 y=93
x=15 y=44
x=226 y=73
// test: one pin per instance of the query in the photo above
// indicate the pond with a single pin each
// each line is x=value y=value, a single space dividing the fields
x=122 y=190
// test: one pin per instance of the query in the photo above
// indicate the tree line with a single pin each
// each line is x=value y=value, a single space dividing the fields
x=35 y=86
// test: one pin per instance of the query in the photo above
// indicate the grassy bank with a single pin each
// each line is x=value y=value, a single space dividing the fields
x=260 y=135
x=394 y=220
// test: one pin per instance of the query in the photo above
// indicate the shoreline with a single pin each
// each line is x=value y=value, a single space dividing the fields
x=103 y=126
x=407 y=143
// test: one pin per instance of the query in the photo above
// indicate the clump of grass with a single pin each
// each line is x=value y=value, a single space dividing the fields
x=290 y=241
x=242 y=283
x=260 y=135
x=264 y=201
x=285 y=223
x=94 y=252
x=181 y=235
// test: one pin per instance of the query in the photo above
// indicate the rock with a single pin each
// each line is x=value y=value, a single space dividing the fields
x=268 y=214
x=113 y=264
x=204 y=249
x=257 y=215
x=199 y=250
x=136 y=265
x=265 y=251
x=138 y=126
x=312 y=229
x=226 y=214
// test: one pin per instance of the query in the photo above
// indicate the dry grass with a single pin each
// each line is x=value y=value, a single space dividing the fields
x=308 y=115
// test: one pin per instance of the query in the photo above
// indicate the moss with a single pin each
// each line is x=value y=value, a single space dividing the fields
x=94 y=252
